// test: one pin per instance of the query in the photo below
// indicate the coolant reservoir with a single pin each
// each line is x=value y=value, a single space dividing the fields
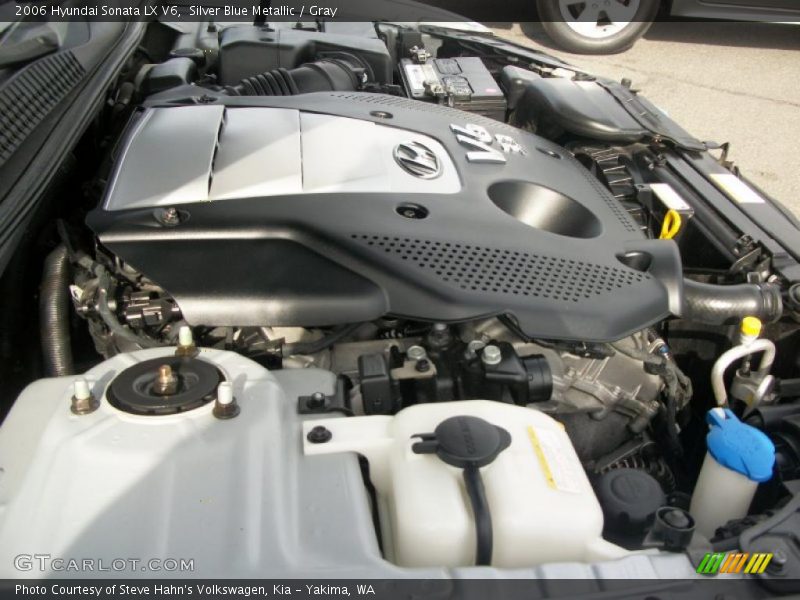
x=542 y=506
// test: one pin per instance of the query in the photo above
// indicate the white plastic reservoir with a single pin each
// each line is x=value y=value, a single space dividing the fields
x=739 y=457
x=543 y=508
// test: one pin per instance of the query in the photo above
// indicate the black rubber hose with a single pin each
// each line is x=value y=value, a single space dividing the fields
x=54 y=306
x=321 y=344
x=772 y=416
x=483 y=518
x=327 y=75
x=726 y=304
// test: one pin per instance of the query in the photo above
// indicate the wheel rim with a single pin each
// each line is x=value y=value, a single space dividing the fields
x=598 y=19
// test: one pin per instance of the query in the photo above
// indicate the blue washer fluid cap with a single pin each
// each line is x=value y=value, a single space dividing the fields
x=738 y=446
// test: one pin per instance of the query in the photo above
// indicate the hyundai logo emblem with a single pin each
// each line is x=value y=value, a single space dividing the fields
x=418 y=159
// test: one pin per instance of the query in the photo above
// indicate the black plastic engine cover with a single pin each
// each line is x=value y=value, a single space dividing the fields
x=535 y=236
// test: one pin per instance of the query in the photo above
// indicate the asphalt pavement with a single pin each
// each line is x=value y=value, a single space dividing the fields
x=721 y=81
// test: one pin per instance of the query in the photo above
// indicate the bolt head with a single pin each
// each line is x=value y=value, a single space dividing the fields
x=168 y=216
x=226 y=411
x=491 y=355
x=317 y=400
x=83 y=402
x=166 y=382
x=778 y=562
x=423 y=365
x=319 y=435
x=225 y=406
x=416 y=353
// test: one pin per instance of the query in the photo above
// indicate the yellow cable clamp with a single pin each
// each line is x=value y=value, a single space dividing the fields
x=671 y=225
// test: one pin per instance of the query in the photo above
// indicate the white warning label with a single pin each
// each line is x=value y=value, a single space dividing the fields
x=556 y=459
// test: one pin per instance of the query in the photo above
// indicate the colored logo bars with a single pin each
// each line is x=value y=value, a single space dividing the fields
x=733 y=562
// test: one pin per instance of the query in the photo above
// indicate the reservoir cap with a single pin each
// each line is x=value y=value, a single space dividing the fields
x=739 y=447
x=464 y=441
x=630 y=499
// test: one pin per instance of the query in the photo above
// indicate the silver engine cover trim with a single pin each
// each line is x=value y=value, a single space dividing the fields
x=179 y=155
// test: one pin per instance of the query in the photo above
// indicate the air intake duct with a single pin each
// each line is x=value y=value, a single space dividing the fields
x=726 y=304
x=326 y=75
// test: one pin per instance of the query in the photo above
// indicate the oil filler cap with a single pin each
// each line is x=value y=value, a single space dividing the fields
x=464 y=441
x=164 y=386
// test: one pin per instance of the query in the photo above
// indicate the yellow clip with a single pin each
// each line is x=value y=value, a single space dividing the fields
x=671 y=226
x=751 y=326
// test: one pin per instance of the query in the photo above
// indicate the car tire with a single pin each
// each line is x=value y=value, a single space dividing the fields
x=596 y=37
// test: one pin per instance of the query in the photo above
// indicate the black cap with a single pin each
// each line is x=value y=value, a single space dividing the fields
x=630 y=499
x=464 y=441
x=673 y=527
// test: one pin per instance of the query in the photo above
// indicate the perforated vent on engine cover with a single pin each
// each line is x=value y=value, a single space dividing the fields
x=500 y=271
x=508 y=238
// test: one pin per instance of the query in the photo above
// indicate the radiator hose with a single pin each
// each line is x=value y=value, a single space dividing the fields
x=54 y=306
x=726 y=304
x=326 y=75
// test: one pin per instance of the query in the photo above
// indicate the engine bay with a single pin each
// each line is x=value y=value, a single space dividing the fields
x=405 y=300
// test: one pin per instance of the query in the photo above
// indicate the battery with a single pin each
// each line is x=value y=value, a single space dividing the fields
x=464 y=83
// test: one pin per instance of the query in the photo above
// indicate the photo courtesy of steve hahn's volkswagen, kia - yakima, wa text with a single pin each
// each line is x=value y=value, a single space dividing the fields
x=372 y=299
